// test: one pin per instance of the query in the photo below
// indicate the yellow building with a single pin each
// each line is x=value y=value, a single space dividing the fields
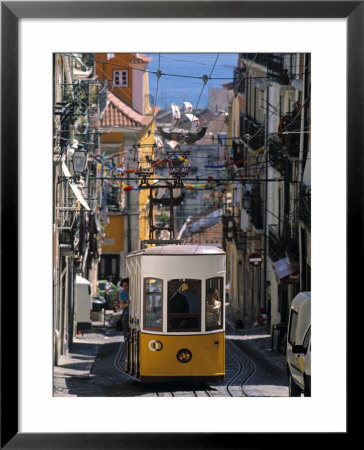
x=127 y=127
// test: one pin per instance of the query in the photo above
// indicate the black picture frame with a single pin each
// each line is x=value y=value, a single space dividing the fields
x=11 y=12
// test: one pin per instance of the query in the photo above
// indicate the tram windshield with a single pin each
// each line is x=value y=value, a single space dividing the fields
x=184 y=305
x=153 y=295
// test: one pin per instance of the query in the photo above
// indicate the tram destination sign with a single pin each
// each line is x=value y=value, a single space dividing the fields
x=255 y=259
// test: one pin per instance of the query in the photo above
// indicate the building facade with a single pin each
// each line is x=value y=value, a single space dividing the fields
x=267 y=206
x=127 y=125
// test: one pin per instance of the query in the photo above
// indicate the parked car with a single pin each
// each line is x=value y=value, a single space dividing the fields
x=114 y=294
x=299 y=346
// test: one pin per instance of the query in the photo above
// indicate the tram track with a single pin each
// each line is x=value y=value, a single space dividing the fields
x=245 y=369
x=233 y=386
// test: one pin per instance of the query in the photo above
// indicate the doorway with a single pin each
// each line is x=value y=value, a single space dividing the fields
x=109 y=266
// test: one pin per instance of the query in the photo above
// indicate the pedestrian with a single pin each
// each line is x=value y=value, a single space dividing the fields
x=108 y=289
x=118 y=284
x=124 y=302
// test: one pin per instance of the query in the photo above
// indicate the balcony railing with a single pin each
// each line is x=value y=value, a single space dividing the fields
x=252 y=132
x=304 y=207
x=239 y=152
x=279 y=160
x=238 y=237
x=272 y=61
x=257 y=211
x=280 y=246
x=65 y=111
x=275 y=244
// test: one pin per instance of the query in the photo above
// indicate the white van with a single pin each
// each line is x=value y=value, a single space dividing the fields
x=83 y=304
x=299 y=346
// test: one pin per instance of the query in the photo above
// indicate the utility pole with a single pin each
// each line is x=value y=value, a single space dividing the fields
x=128 y=206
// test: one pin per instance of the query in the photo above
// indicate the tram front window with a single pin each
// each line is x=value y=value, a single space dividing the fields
x=184 y=300
x=153 y=296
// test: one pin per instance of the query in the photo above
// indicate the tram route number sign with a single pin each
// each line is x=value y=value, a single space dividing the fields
x=255 y=259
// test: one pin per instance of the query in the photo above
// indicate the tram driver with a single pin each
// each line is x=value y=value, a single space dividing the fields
x=191 y=291
x=184 y=304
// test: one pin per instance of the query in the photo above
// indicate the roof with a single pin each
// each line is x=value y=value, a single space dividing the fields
x=119 y=114
x=141 y=59
x=208 y=236
x=180 y=250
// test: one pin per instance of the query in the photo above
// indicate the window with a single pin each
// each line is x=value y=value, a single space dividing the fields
x=153 y=295
x=292 y=327
x=184 y=305
x=120 y=78
x=214 y=303
x=307 y=338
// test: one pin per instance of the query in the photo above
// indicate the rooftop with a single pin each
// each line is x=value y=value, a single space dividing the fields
x=118 y=114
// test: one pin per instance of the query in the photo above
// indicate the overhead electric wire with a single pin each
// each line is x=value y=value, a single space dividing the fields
x=200 y=178
x=122 y=66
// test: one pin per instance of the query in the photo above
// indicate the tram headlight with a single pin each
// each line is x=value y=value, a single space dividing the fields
x=184 y=355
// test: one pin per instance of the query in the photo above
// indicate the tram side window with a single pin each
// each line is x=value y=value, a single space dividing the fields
x=214 y=293
x=184 y=300
x=153 y=295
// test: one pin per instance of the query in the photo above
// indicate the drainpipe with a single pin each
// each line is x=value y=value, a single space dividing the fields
x=266 y=144
x=300 y=164
x=300 y=161
x=68 y=74
x=128 y=216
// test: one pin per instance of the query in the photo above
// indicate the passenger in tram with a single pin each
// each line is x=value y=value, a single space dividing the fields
x=191 y=290
x=213 y=308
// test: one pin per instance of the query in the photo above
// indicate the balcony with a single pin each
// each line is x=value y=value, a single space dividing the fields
x=239 y=152
x=278 y=159
x=257 y=211
x=289 y=132
x=272 y=61
x=252 y=132
x=238 y=237
x=275 y=243
x=282 y=245
x=304 y=207
x=65 y=111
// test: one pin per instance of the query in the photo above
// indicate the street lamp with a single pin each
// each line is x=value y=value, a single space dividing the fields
x=79 y=160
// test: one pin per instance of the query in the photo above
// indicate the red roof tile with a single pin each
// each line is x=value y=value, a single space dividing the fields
x=119 y=114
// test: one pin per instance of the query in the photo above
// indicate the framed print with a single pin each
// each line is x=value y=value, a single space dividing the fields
x=31 y=32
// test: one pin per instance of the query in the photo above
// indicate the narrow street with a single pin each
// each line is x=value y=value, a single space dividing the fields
x=94 y=368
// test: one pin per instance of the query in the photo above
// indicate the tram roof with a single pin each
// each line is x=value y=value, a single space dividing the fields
x=180 y=250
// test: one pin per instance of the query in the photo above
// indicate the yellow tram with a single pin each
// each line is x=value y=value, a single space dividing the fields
x=176 y=313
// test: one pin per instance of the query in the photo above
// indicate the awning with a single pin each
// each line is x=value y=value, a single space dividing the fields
x=286 y=271
x=74 y=188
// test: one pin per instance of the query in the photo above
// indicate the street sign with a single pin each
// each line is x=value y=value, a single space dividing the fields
x=255 y=259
